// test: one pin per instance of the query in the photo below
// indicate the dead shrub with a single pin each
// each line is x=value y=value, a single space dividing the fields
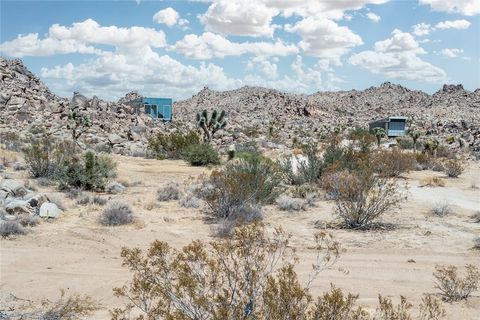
x=452 y=286
x=10 y=228
x=116 y=213
x=190 y=201
x=392 y=163
x=453 y=167
x=170 y=192
x=441 y=210
x=432 y=181
x=362 y=197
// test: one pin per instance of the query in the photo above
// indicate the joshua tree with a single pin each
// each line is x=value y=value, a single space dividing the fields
x=414 y=135
x=431 y=146
x=77 y=124
x=211 y=124
x=379 y=133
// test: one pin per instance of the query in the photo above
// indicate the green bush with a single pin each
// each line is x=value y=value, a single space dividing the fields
x=307 y=170
x=88 y=172
x=254 y=181
x=171 y=145
x=406 y=144
x=201 y=155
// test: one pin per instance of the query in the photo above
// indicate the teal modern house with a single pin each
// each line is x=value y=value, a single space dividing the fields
x=394 y=126
x=157 y=108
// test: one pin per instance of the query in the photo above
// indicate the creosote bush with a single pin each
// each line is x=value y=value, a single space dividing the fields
x=198 y=155
x=362 y=197
x=44 y=157
x=249 y=275
x=254 y=180
x=392 y=163
x=116 y=213
x=298 y=170
x=453 y=167
x=452 y=286
x=171 y=145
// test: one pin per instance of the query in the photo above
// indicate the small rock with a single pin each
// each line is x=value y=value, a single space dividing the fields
x=15 y=187
x=18 y=207
x=49 y=210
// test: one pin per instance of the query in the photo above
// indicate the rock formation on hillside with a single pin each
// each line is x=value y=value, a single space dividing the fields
x=28 y=108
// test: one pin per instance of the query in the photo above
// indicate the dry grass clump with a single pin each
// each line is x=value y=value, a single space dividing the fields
x=28 y=220
x=70 y=307
x=58 y=200
x=453 y=167
x=170 y=192
x=452 y=286
x=441 y=210
x=476 y=243
x=116 y=213
x=11 y=228
x=7 y=158
x=432 y=181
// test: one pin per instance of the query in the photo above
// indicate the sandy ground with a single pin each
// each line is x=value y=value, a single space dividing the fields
x=77 y=254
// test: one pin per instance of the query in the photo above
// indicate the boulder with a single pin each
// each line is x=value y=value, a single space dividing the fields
x=115 y=138
x=14 y=186
x=17 y=206
x=49 y=210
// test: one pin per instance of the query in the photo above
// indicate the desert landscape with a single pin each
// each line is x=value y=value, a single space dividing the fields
x=227 y=160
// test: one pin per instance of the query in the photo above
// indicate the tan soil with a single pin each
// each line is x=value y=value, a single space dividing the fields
x=77 y=254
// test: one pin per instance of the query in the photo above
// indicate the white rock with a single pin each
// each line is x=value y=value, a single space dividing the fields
x=49 y=210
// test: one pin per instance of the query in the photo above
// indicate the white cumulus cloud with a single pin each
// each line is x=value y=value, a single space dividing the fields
x=455 y=24
x=372 y=16
x=465 y=7
x=422 y=29
x=397 y=58
x=210 y=45
x=451 y=53
x=169 y=17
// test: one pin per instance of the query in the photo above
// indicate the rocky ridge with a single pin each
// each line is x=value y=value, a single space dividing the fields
x=272 y=117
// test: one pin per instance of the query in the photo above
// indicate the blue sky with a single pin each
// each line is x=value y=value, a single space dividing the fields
x=175 y=48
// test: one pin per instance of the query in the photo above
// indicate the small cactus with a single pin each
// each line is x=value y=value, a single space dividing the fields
x=414 y=135
x=211 y=124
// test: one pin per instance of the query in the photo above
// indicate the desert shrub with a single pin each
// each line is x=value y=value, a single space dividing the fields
x=405 y=144
x=432 y=181
x=73 y=193
x=88 y=172
x=10 y=228
x=444 y=152
x=44 y=157
x=66 y=307
x=84 y=200
x=239 y=215
x=453 y=167
x=28 y=220
x=362 y=139
x=305 y=190
x=362 y=197
x=441 y=209
x=286 y=203
x=452 y=286
x=116 y=213
x=333 y=154
x=19 y=166
x=386 y=310
x=249 y=275
x=169 y=192
x=424 y=161
x=190 y=201
x=254 y=181
x=307 y=170
x=171 y=145
x=98 y=200
x=201 y=155
x=335 y=305
x=392 y=163
x=431 y=309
